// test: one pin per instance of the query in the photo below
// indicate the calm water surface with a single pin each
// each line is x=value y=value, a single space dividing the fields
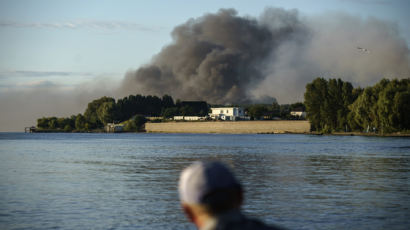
x=129 y=181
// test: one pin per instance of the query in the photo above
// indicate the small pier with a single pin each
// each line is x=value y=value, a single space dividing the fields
x=31 y=129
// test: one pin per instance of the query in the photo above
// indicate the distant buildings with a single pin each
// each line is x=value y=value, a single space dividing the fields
x=220 y=113
x=228 y=113
x=189 y=118
x=299 y=114
x=114 y=128
x=153 y=118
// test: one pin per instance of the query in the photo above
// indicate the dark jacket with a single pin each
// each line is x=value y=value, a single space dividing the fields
x=235 y=220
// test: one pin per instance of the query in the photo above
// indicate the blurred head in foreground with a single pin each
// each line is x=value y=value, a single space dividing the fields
x=211 y=198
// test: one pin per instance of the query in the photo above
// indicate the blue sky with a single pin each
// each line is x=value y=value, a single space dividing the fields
x=57 y=55
x=43 y=42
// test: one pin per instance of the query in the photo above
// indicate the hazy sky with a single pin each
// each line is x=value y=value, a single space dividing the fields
x=49 y=45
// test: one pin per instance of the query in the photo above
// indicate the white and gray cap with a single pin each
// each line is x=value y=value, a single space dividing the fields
x=201 y=178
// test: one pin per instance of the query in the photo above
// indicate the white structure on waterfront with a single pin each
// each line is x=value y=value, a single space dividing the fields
x=114 y=128
x=300 y=114
x=228 y=113
x=153 y=118
x=188 y=118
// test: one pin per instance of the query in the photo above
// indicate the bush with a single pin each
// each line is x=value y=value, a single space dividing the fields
x=135 y=124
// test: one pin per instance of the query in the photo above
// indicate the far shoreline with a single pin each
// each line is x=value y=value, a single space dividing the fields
x=261 y=133
x=238 y=127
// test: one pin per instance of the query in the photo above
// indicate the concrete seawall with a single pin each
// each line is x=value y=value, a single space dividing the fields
x=234 y=127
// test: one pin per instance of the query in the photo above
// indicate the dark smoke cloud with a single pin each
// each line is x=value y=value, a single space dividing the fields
x=225 y=58
x=216 y=58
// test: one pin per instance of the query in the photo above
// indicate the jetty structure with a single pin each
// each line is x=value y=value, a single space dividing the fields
x=31 y=129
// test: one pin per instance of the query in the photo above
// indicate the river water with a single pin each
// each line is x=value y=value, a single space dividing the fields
x=129 y=181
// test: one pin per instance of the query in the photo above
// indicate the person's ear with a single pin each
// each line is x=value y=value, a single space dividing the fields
x=188 y=212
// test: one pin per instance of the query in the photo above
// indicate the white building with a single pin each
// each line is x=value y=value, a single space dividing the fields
x=228 y=113
x=299 y=114
x=114 y=128
x=188 y=118
x=153 y=118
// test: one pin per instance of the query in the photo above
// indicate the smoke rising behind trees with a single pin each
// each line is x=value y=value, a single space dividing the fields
x=216 y=58
x=226 y=58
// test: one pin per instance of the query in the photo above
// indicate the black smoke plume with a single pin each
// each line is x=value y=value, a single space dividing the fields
x=225 y=58
x=217 y=58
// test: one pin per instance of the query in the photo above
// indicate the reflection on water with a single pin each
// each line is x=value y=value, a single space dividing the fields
x=100 y=181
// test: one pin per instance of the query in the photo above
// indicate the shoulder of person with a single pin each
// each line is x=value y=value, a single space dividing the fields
x=248 y=224
x=261 y=225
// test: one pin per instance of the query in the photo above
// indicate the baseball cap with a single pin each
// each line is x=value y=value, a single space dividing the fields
x=202 y=178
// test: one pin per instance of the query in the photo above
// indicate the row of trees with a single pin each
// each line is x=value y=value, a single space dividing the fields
x=132 y=109
x=385 y=106
x=67 y=124
x=334 y=105
x=331 y=105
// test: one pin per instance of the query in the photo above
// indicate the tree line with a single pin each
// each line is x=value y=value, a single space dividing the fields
x=132 y=110
x=334 y=105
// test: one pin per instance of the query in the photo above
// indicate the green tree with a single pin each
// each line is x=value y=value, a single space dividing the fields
x=92 y=112
x=327 y=104
x=347 y=99
x=402 y=109
x=61 y=122
x=135 y=124
x=275 y=110
x=186 y=111
x=361 y=109
x=257 y=111
x=385 y=106
x=285 y=110
x=106 y=112
x=299 y=106
x=129 y=126
x=391 y=104
x=52 y=123
x=42 y=123
x=80 y=122
x=167 y=102
x=315 y=101
x=68 y=128
x=170 y=112
x=139 y=121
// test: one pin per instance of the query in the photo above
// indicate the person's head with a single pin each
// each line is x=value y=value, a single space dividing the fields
x=208 y=189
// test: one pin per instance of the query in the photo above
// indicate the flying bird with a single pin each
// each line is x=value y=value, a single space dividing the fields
x=363 y=50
